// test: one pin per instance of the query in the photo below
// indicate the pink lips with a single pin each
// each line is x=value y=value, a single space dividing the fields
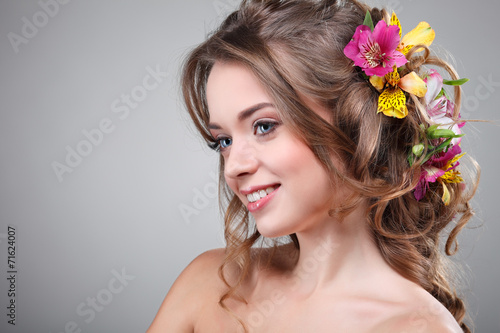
x=261 y=203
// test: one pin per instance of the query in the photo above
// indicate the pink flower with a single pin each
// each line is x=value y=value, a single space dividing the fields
x=428 y=175
x=375 y=52
x=440 y=109
x=442 y=159
x=437 y=166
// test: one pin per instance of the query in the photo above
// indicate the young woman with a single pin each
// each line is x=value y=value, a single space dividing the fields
x=338 y=144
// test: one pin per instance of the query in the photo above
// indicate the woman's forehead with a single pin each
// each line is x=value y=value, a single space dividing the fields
x=232 y=87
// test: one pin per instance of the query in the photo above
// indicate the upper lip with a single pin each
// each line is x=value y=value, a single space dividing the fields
x=252 y=189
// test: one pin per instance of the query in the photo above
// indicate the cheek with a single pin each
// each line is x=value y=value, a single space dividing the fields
x=297 y=161
x=295 y=155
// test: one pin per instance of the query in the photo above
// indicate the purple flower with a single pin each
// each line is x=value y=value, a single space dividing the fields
x=375 y=52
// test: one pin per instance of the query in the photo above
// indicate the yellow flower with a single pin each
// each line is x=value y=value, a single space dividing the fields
x=452 y=175
x=395 y=21
x=392 y=101
x=422 y=34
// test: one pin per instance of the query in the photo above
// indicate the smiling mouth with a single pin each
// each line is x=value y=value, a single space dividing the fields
x=259 y=194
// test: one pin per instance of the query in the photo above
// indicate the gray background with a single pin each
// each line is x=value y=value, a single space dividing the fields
x=120 y=209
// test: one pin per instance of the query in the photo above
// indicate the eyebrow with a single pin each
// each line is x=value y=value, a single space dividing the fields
x=244 y=114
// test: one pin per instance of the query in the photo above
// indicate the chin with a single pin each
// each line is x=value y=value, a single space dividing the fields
x=272 y=231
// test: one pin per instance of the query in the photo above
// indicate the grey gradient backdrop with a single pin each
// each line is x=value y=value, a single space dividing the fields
x=119 y=211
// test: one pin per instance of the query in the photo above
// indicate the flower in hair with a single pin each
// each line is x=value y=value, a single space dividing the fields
x=380 y=53
x=439 y=107
x=443 y=136
x=441 y=167
x=392 y=100
x=375 y=51
x=422 y=34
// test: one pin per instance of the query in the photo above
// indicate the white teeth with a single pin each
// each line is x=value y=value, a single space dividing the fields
x=257 y=195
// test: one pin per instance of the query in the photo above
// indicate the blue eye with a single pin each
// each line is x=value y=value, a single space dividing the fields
x=220 y=144
x=225 y=142
x=264 y=127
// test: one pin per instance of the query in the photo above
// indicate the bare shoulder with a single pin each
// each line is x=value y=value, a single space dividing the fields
x=423 y=314
x=198 y=283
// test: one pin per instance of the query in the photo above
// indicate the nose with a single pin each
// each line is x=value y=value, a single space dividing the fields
x=241 y=160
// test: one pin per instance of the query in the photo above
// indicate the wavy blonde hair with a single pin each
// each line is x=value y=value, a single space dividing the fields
x=295 y=48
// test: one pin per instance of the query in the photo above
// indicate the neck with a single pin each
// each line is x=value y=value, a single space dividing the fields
x=337 y=253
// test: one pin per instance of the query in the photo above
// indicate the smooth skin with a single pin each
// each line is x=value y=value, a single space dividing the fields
x=339 y=282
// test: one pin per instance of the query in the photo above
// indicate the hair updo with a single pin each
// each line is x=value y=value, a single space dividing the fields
x=295 y=49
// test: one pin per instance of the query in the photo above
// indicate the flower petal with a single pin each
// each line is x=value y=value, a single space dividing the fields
x=399 y=58
x=395 y=21
x=442 y=159
x=386 y=36
x=421 y=187
x=393 y=77
x=378 y=82
x=433 y=174
x=422 y=34
x=352 y=48
x=446 y=195
x=392 y=102
x=456 y=129
x=450 y=110
x=379 y=70
x=434 y=83
x=437 y=109
x=447 y=123
x=413 y=84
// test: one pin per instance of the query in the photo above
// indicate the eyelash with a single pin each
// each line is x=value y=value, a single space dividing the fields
x=216 y=145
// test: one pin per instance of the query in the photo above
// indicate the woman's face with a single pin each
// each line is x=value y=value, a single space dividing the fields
x=277 y=176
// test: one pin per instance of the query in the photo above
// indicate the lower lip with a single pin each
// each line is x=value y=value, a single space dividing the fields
x=261 y=203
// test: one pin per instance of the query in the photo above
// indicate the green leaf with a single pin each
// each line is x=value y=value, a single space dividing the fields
x=368 y=20
x=446 y=144
x=443 y=133
x=441 y=93
x=437 y=149
x=455 y=82
x=410 y=159
x=440 y=133
x=430 y=129
x=433 y=132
